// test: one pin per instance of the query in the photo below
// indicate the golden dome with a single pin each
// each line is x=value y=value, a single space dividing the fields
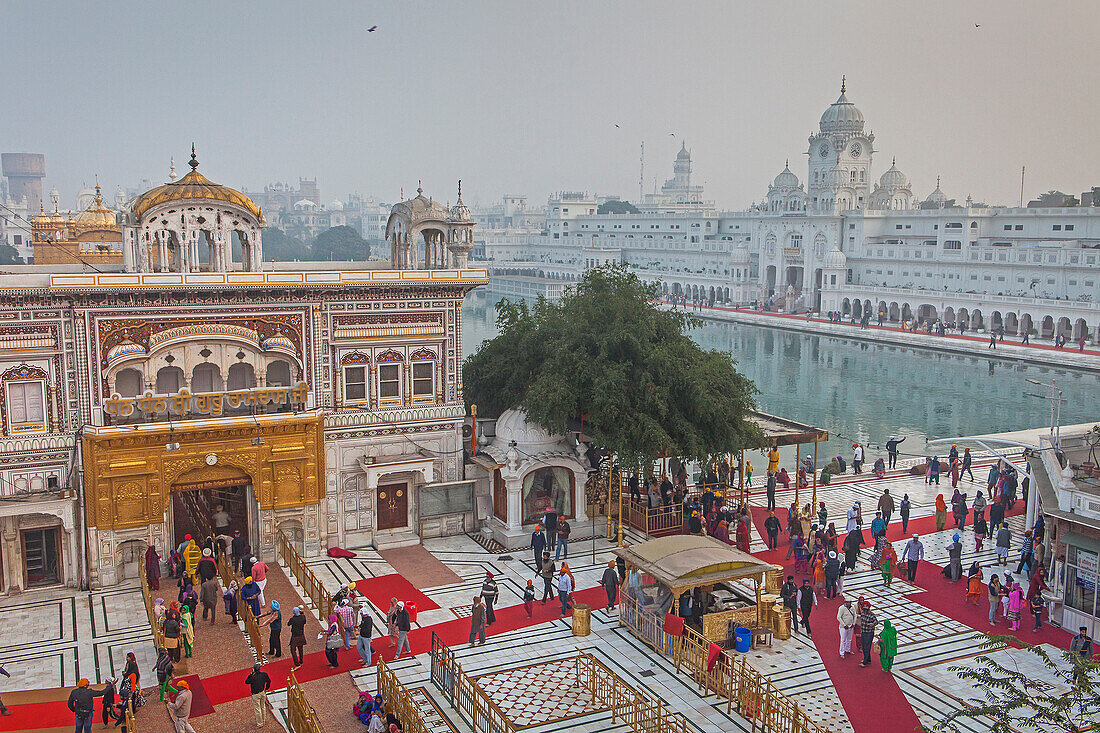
x=96 y=216
x=194 y=185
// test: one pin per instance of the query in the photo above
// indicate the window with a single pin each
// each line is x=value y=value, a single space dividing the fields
x=278 y=374
x=1069 y=227
x=389 y=381
x=355 y=384
x=206 y=378
x=1008 y=227
x=128 y=383
x=952 y=244
x=423 y=378
x=1019 y=227
x=26 y=405
x=1057 y=227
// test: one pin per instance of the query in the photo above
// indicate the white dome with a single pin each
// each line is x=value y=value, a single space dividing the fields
x=893 y=178
x=937 y=196
x=842 y=116
x=786 y=179
x=529 y=437
x=336 y=205
x=836 y=259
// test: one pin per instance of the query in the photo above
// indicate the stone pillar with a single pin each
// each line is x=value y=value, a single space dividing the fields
x=12 y=554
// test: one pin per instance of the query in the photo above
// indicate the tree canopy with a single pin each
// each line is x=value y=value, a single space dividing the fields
x=606 y=352
x=340 y=243
x=1017 y=699
x=616 y=207
x=9 y=255
x=281 y=247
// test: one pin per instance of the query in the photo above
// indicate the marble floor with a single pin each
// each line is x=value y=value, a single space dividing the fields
x=53 y=637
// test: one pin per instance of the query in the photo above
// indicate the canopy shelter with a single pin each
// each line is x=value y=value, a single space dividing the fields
x=780 y=431
x=685 y=562
x=659 y=571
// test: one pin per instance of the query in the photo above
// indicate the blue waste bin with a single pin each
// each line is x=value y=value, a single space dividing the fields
x=744 y=639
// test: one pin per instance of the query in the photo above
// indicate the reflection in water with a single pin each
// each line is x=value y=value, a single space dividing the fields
x=865 y=391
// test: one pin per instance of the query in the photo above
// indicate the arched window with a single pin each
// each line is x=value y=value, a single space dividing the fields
x=278 y=374
x=128 y=383
x=169 y=380
x=206 y=378
x=241 y=376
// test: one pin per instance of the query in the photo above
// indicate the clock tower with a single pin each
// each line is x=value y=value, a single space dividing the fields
x=840 y=160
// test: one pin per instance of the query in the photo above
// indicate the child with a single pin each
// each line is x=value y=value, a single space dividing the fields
x=230 y=598
x=1037 y=610
x=889 y=562
x=529 y=597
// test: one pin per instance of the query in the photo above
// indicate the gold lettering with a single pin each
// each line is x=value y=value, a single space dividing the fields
x=118 y=406
x=181 y=402
x=298 y=394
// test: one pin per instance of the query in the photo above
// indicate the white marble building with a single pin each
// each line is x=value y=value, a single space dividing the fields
x=840 y=240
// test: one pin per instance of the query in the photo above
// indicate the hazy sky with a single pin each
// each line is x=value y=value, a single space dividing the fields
x=522 y=97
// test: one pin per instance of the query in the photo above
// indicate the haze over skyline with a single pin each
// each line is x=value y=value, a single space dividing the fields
x=524 y=98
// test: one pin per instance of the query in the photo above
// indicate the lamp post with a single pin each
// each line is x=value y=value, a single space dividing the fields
x=1056 y=400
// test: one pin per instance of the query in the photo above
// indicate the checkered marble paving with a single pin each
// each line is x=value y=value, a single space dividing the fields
x=430 y=713
x=538 y=694
x=55 y=636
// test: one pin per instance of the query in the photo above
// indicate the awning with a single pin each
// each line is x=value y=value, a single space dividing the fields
x=683 y=562
x=1080 y=540
x=781 y=431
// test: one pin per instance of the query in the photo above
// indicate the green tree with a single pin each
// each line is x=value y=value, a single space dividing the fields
x=616 y=207
x=340 y=243
x=1018 y=699
x=9 y=255
x=607 y=353
x=281 y=247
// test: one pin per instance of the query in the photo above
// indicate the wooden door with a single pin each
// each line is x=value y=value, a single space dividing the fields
x=393 y=506
x=500 y=497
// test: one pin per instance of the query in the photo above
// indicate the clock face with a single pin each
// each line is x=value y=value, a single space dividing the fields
x=211 y=459
x=824 y=151
x=856 y=150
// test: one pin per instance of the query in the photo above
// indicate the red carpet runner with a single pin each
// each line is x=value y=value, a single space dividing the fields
x=380 y=590
x=230 y=685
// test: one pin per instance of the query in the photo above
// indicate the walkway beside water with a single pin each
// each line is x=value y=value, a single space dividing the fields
x=1035 y=352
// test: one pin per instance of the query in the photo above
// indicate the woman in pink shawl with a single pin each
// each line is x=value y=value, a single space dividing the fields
x=152 y=568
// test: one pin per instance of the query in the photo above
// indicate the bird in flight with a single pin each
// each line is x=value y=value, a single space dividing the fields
x=977 y=25
x=617 y=126
x=372 y=29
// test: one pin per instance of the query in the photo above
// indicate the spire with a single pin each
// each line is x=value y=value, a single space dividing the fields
x=787 y=165
x=893 y=161
x=460 y=192
x=843 y=81
x=937 y=182
x=419 y=189
x=194 y=162
x=98 y=197
x=172 y=169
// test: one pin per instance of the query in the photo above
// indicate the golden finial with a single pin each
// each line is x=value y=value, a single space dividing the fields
x=843 y=81
x=98 y=197
x=194 y=162
x=172 y=169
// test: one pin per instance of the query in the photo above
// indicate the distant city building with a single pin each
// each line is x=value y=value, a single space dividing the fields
x=21 y=196
x=840 y=242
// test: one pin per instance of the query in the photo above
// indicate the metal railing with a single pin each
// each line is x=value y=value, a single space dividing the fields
x=649 y=627
x=313 y=588
x=251 y=628
x=154 y=622
x=397 y=700
x=445 y=670
x=301 y=716
x=742 y=686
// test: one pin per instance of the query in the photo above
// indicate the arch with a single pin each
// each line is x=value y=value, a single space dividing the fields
x=996 y=321
x=129 y=383
x=241 y=376
x=169 y=380
x=711 y=293
x=1046 y=329
x=857 y=308
x=130 y=557
x=927 y=312
x=1080 y=329
x=881 y=309
x=1064 y=327
x=846 y=306
x=206 y=377
x=292 y=528
x=976 y=320
x=278 y=374
x=867 y=312
x=1012 y=323
x=1027 y=323
x=949 y=315
x=906 y=312
x=963 y=317
x=895 y=312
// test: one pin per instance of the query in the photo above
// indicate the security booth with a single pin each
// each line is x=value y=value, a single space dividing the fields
x=720 y=579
